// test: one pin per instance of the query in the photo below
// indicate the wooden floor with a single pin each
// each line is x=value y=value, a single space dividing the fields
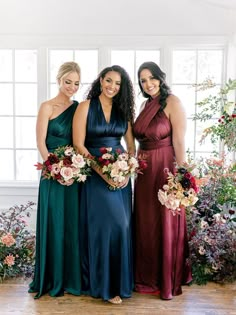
x=211 y=299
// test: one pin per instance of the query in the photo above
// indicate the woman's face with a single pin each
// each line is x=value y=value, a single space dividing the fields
x=150 y=85
x=69 y=84
x=110 y=84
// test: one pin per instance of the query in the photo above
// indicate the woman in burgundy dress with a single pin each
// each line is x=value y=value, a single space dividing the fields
x=161 y=249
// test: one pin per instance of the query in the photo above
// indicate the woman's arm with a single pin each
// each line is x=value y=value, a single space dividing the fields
x=129 y=139
x=178 y=121
x=79 y=128
x=130 y=147
x=44 y=114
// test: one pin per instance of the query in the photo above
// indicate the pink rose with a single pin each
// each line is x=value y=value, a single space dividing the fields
x=66 y=173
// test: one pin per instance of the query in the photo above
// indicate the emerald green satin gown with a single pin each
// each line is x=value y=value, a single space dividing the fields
x=57 y=265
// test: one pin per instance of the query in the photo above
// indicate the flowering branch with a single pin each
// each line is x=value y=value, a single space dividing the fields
x=224 y=127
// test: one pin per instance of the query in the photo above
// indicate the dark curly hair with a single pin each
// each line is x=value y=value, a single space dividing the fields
x=124 y=100
x=159 y=75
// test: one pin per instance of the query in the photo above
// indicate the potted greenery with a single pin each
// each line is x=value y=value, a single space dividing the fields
x=17 y=242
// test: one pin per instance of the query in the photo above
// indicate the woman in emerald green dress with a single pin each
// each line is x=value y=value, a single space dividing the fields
x=57 y=266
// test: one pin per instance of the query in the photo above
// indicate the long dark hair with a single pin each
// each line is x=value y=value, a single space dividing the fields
x=124 y=100
x=159 y=75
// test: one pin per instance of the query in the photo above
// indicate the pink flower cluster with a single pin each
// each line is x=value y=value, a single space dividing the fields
x=8 y=240
x=65 y=166
x=118 y=165
x=180 y=191
x=9 y=260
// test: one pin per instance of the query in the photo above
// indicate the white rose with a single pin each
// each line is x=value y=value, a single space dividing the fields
x=122 y=165
x=82 y=178
x=78 y=160
x=106 y=156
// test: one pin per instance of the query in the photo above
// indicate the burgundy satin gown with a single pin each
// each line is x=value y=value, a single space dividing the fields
x=161 y=244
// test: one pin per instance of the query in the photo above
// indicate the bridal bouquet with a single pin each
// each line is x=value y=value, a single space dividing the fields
x=181 y=189
x=65 y=166
x=118 y=165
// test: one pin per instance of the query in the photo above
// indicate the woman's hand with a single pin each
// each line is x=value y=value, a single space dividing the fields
x=117 y=185
x=124 y=183
x=110 y=181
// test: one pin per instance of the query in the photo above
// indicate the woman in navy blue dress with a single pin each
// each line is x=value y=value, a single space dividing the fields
x=105 y=216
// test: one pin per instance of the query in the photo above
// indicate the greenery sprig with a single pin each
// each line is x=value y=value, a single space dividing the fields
x=223 y=128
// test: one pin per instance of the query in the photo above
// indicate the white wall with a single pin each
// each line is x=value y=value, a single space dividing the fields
x=120 y=17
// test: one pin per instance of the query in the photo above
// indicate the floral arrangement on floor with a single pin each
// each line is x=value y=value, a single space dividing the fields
x=212 y=224
x=65 y=166
x=223 y=128
x=181 y=189
x=17 y=243
x=118 y=165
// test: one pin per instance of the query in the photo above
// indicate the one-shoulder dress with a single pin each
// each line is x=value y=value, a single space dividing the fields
x=57 y=265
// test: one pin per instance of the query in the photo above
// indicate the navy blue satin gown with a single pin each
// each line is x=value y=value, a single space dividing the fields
x=105 y=217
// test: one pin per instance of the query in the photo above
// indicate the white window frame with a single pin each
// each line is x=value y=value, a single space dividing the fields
x=104 y=44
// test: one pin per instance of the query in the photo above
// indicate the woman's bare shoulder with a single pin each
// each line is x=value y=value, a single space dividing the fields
x=47 y=106
x=173 y=99
x=173 y=105
x=84 y=104
x=173 y=102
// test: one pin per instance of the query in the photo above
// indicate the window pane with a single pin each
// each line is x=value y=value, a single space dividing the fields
x=189 y=136
x=210 y=65
x=5 y=65
x=82 y=92
x=206 y=155
x=25 y=132
x=7 y=165
x=184 y=66
x=25 y=169
x=201 y=95
x=125 y=59
x=26 y=65
x=187 y=96
x=205 y=93
x=6 y=132
x=88 y=62
x=26 y=105
x=56 y=59
x=146 y=55
x=6 y=92
x=206 y=145
x=53 y=90
x=139 y=99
